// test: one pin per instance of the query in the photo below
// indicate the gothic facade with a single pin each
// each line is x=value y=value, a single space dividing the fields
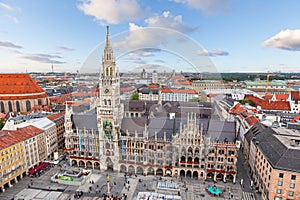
x=149 y=137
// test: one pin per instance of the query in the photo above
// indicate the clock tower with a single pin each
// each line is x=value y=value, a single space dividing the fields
x=109 y=110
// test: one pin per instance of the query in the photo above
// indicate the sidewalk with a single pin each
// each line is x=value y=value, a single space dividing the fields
x=243 y=173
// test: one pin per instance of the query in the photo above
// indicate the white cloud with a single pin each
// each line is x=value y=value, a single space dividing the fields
x=215 y=52
x=111 y=11
x=150 y=35
x=43 y=58
x=6 y=7
x=286 y=39
x=208 y=6
x=64 y=48
x=10 y=45
x=140 y=37
x=167 y=20
x=145 y=52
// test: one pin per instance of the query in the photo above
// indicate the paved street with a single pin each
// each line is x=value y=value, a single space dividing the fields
x=243 y=173
x=96 y=186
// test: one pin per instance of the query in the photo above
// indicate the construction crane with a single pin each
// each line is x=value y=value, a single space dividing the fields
x=267 y=81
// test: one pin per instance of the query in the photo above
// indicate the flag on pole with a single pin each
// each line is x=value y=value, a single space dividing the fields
x=88 y=143
x=80 y=143
x=130 y=146
x=123 y=144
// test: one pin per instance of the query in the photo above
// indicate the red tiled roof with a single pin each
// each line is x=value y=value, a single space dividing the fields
x=295 y=96
x=168 y=90
x=178 y=77
x=182 y=82
x=251 y=120
x=242 y=112
x=80 y=94
x=268 y=96
x=60 y=99
x=39 y=108
x=8 y=137
x=281 y=97
x=152 y=86
x=235 y=108
x=2 y=115
x=127 y=89
x=55 y=116
x=19 y=84
x=296 y=119
x=266 y=105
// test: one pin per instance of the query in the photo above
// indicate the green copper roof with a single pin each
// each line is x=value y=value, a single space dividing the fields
x=262 y=82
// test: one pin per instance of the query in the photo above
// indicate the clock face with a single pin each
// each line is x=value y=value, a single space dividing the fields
x=106 y=91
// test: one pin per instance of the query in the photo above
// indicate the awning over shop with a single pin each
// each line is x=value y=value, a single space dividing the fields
x=38 y=168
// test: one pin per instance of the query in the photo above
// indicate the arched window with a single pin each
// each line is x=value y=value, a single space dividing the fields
x=28 y=105
x=18 y=106
x=39 y=102
x=10 y=106
x=2 y=107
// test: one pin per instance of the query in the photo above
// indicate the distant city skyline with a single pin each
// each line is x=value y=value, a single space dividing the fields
x=184 y=35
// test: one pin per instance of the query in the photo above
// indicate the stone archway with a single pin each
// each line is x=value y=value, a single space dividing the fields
x=140 y=170
x=123 y=169
x=89 y=164
x=182 y=159
x=196 y=161
x=188 y=174
x=219 y=177
x=131 y=170
x=182 y=173
x=81 y=164
x=210 y=176
x=168 y=172
x=109 y=164
x=96 y=165
x=229 y=178
x=150 y=171
x=159 y=172
x=74 y=163
x=195 y=175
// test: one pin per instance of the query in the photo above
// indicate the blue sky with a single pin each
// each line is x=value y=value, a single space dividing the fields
x=185 y=35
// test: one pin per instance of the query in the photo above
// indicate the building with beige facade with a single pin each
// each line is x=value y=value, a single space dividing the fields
x=12 y=159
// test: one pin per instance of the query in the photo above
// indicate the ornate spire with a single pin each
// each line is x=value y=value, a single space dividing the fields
x=107 y=38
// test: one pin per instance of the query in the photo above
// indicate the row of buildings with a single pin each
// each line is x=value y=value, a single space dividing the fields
x=26 y=142
x=271 y=146
x=273 y=156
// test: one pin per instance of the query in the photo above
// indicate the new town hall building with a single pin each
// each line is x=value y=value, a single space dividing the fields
x=185 y=139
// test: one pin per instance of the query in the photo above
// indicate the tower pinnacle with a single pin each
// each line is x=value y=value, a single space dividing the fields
x=107 y=38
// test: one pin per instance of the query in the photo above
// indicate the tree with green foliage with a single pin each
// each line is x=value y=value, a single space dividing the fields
x=135 y=96
x=195 y=99
x=250 y=102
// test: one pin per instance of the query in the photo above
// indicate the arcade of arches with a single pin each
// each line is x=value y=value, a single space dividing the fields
x=146 y=170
